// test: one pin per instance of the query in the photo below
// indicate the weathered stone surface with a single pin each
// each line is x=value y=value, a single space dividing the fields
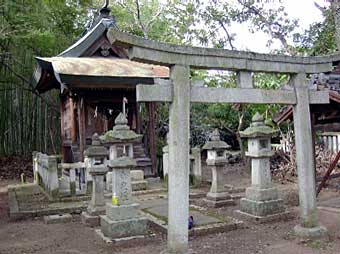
x=137 y=175
x=166 y=54
x=304 y=153
x=59 y=218
x=229 y=95
x=219 y=203
x=257 y=194
x=261 y=208
x=120 y=133
x=139 y=185
x=285 y=215
x=90 y=220
x=179 y=148
x=122 y=212
x=311 y=233
x=123 y=228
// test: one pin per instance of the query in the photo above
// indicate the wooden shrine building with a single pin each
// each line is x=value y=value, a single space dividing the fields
x=94 y=77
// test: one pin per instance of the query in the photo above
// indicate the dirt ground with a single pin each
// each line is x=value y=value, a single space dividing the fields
x=33 y=236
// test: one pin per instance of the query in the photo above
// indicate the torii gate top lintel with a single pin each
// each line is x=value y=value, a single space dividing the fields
x=148 y=51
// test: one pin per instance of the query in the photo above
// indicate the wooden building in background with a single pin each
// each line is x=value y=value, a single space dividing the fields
x=94 y=77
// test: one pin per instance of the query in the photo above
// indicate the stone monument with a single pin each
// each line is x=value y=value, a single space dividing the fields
x=122 y=218
x=261 y=202
x=96 y=155
x=217 y=149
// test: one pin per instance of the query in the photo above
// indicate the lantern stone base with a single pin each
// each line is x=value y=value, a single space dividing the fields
x=218 y=199
x=262 y=219
x=123 y=221
x=91 y=218
x=262 y=211
x=262 y=208
x=123 y=228
x=318 y=232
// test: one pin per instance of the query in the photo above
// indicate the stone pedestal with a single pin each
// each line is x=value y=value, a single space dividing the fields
x=123 y=221
x=218 y=196
x=97 y=204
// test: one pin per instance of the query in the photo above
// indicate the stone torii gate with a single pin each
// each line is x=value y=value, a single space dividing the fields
x=180 y=92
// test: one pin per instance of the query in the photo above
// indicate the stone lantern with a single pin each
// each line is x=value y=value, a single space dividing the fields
x=120 y=138
x=120 y=141
x=122 y=218
x=96 y=168
x=261 y=201
x=217 y=160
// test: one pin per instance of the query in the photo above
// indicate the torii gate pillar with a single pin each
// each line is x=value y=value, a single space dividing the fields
x=308 y=226
x=179 y=134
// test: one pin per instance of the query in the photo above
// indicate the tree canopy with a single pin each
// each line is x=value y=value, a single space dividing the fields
x=45 y=28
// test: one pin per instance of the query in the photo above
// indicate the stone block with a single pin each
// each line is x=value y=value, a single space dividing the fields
x=219 y=203
x=137 y=175
x=58 y=218
x=90 y=220
x=217 y=196
x=123 y=228
x=263 y=219
x=261 y=208
x=318 y=232
x=109 y=181
x=122 y=212
x=257 y=194
x=96 y=210
x=139 y=185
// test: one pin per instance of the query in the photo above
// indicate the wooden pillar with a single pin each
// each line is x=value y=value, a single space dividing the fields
x=62 y=127
x=151 y=107
x=81 y=124
x=72 y=121
x=312 y=117
x=138 y=119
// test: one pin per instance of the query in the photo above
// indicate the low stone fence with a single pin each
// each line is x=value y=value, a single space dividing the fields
x=74 y=179
x=45 y=171
x=59 y=179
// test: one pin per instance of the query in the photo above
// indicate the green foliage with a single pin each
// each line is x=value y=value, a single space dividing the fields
x=319 y=38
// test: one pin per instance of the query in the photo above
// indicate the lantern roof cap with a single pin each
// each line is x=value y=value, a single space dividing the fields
x=258 y=128
x=215 y=142
x=120 y=133
x=96 y=149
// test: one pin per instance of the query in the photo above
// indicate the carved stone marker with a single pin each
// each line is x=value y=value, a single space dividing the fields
x=261 y=202
x=217 y=149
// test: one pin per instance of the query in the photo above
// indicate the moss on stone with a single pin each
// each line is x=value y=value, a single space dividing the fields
x=73 y=188
x=311 y=220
